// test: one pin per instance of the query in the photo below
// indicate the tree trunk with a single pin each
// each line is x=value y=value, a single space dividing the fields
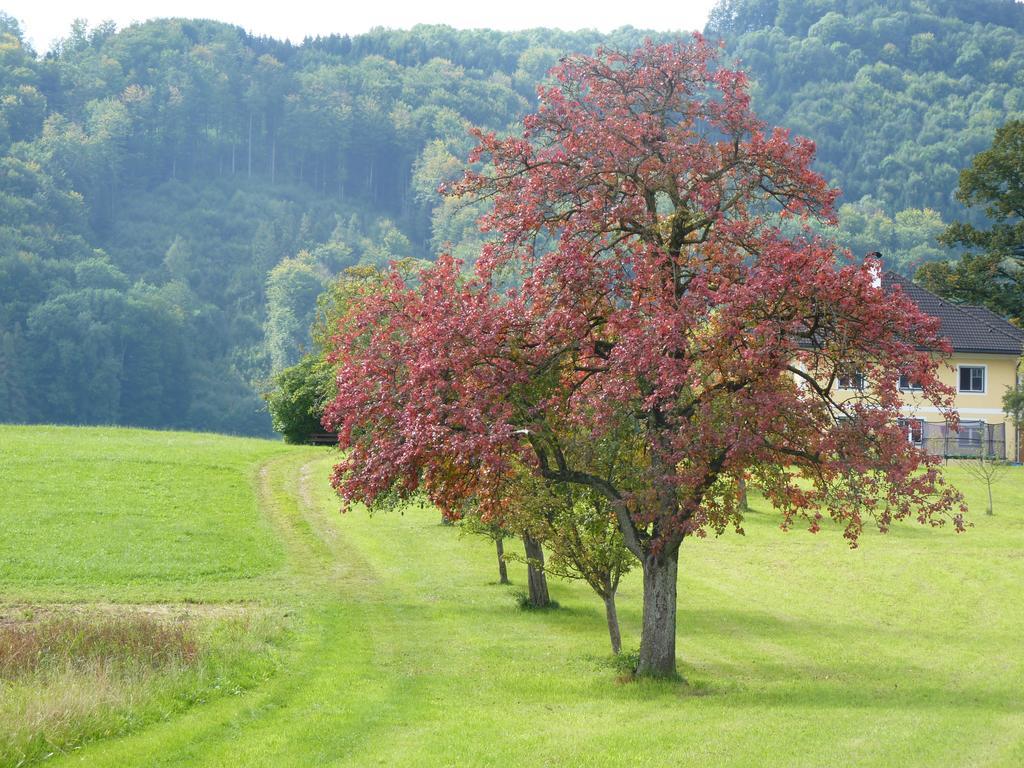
x=741 y=488
x=250 y=144
x=613 y=623
x=538 y=582
x=658 y=636
x=499 y=542
x=989 y=481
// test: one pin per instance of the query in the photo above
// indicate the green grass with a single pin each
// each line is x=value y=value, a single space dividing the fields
x=96 y=522
x=404 y=651
x=115 y=514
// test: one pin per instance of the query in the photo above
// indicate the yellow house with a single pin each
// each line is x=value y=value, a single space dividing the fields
x=986 y=362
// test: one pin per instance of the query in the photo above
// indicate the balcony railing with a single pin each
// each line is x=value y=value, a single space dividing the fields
x=974 y=439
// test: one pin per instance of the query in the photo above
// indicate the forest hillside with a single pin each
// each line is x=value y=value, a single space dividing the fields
x=175 y=195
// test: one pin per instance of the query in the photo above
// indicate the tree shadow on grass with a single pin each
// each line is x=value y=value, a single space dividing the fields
x=756 y=658
x=856 y=686
x=833 y=664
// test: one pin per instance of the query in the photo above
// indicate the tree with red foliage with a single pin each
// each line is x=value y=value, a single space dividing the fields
x=663 y=314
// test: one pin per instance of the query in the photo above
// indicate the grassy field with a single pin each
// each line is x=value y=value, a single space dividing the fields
x=138 y=575
x=393 y=644
x=114 y=514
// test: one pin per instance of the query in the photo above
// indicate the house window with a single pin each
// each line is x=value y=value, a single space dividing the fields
x=972 y=378
x=913 y=429
x=970 y=437
x=853 y=380
x=907 y=384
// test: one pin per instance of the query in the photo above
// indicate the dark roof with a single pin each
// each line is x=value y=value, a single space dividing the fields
x=968 y=328
x=996 y=321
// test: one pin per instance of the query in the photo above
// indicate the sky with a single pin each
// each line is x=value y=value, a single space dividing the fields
x=44 y=21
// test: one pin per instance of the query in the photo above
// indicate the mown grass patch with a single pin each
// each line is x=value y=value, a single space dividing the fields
x=116 y=514
x=140 y=574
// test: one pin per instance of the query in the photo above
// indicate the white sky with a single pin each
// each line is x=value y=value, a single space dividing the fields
x=44 y=21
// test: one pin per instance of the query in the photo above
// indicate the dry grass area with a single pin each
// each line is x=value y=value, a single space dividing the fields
x=66 y=672
x=72 y=673
x=73 y=641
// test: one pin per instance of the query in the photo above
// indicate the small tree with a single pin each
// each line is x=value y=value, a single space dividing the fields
x=576 y=526
x=583 y=538
x=987 y=469
x=474 y=524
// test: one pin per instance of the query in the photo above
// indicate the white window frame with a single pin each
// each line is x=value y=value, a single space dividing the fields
x=911 y=386
x=907 y=424
x=984 y=379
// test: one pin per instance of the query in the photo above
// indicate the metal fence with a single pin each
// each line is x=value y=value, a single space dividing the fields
x=974 y=439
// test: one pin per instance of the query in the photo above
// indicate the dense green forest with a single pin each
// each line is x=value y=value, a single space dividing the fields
x=174 y=195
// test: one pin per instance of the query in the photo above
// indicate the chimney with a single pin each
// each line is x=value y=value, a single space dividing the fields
x=874 y=262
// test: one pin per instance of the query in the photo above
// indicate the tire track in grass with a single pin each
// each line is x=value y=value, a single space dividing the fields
x=329 y=698
x=341 y=701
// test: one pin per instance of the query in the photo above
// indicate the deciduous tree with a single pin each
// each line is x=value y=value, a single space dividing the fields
x=992 y=269
x=661 y=311
x=582 y=535
x=493 y=531
x=987 y=469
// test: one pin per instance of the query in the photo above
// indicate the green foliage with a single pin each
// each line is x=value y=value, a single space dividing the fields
x=1013 y=406
x=178 y=162
x=298 y=396
x=897 y=96
x=991 y=271
x=995 y=181
x=188 y=164
x=292 y=290
x=524 y=603
x=906 y=240
x=471 y=523
x=577 y=527
x=103 y=355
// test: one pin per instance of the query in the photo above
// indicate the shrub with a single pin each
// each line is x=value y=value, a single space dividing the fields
x=298 y=396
